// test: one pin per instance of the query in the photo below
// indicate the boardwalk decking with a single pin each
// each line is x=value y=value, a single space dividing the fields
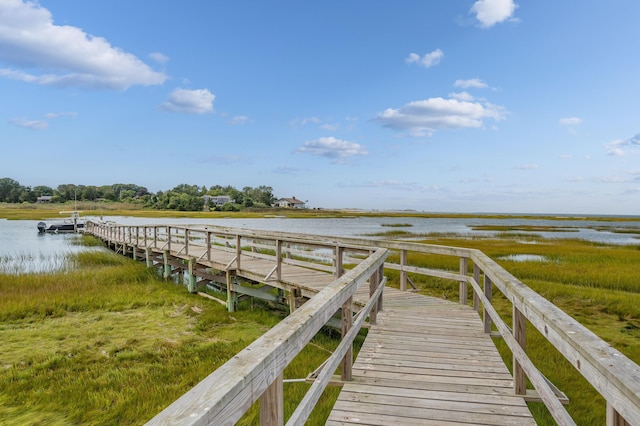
x=427 y=361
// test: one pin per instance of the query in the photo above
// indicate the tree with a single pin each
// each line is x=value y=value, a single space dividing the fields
x=10 y=190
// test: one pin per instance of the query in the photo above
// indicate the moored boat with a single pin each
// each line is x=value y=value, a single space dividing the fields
x=73 y=224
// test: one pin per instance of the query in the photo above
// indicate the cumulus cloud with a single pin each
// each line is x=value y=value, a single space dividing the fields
x=432 y=114
x=30 y=124
x=473 y=82
x=198 y=101
x=52 y=115
x=428 y=60
x=491 y=12
x=331 y=147
x=40 y=52
x=462 y=96
x=571 y=121
x=622 y=147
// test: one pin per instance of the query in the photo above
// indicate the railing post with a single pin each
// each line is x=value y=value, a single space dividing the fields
x=238 y=250
x=347 y=322
x=403 y=273
x=519 y=328
x=272 y=404
x=169 y=238
x=279 y=260
x=186 y=241
x=476 y=277
x=208 y=246
x=487 y=293
x=338 y=261
x=463 y=284
x=373 y=285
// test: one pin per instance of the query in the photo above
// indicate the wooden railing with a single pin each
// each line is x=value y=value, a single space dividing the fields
x=611 y=373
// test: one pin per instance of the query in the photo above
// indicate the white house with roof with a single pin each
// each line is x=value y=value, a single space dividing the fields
x=292 y=202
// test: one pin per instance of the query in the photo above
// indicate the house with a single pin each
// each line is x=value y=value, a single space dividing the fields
x=216 y=200
x=43 y=199
x=292 y=202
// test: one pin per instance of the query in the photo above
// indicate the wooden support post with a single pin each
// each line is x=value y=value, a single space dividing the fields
x=232 y=301
x=476 y=277
x=347 y=322
x=186 y=241
x=614 y=418
x=272 y=404
x=339 y=251
x=169 y=238
x=463 y=284
x=403 y=273
x=134 y=252
x=145 y=236
x=147 y=255
x=380 y=278
x=488 y=294
x=293 y=294
x=191 y=277
x=167 y=268
x=519 y=328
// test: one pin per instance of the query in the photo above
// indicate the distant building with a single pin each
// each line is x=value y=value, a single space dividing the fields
x=292 y=202
x=216 y=200
x=43 y=199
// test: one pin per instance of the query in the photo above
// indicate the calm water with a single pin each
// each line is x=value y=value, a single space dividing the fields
x=22 y=249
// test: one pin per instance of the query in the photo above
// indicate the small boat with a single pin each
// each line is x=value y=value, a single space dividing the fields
x=73 y=224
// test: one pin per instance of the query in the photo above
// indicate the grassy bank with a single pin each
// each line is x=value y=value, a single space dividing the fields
x=110 y=343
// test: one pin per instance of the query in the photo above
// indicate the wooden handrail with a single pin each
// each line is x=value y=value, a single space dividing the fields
x=225 y=395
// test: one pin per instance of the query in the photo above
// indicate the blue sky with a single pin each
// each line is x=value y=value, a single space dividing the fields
x=439 y=106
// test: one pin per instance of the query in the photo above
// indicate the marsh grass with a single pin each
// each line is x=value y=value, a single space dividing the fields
x=110 y=343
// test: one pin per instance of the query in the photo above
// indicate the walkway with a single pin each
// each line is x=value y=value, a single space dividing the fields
x=427 y=361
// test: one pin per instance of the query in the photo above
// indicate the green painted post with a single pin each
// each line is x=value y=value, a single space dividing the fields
x=167 y=268
x=191 y=277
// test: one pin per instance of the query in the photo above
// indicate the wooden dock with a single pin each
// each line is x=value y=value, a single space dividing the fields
x=424 y=361
x=427 y=361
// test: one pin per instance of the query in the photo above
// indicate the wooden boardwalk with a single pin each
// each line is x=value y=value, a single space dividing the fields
x=428 y=361
x=424 y=361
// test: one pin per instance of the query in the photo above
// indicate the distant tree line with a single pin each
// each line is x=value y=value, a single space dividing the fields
x=183 y=197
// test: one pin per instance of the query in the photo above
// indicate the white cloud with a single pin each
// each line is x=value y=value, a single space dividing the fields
x=528 y=167
x=239 y=119
x=300 y=122
x=51 y=115
x=428 y=60
x=622 y=147
x=462 y=96
x=473 y=82
x=30 y=124
x=420 y=117
x=198 y=101
x=63 y=55
x=331 y=127
x=332 y=148
x=160 y=58
x=571 y=121
x=491 y=12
